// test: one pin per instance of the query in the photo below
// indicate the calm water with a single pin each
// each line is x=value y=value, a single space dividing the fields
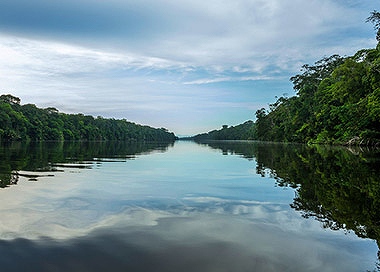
x=234 y=206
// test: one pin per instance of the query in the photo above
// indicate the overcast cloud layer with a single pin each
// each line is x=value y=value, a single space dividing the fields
x=189 y=66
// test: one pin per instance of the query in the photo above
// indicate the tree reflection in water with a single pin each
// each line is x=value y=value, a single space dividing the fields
x=338 y=186
x=40 y=157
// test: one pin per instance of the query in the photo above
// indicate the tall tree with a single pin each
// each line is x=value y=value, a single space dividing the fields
x=375 y=19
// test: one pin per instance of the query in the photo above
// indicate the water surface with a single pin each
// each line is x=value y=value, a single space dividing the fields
x=221 y=206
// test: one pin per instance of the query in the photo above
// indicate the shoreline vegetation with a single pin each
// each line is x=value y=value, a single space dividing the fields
x=337 y=102
x=30 y=123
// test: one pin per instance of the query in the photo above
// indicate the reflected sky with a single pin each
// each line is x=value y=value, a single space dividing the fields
x=190 y=208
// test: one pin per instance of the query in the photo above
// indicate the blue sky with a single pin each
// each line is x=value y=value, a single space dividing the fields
x=189 y=66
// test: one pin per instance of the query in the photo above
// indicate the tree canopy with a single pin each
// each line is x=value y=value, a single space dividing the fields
x=28 y=122
x=337 y=101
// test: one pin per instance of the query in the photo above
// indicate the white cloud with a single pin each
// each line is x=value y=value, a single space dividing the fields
x=247 y=32
x=227 y=79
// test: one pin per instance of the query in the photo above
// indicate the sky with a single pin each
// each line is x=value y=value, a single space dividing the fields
x=190 y=66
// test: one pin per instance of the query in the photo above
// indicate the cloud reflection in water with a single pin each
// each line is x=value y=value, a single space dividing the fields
x=200 y=236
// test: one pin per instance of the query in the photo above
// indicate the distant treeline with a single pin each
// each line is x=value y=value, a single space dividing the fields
x=28 y=122
x=245 y=131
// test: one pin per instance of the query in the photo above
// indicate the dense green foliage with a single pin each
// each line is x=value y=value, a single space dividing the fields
x=337 y=101
x=28 y=122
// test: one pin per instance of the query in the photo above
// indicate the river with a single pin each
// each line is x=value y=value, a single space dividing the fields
x=185 y=206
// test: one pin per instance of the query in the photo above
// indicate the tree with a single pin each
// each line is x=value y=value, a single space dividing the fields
x=10 y=99
x=375 y=19
x=307 y=83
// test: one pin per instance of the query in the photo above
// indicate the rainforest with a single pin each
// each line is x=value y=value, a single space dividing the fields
x=337 y=101
x=28 y=122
